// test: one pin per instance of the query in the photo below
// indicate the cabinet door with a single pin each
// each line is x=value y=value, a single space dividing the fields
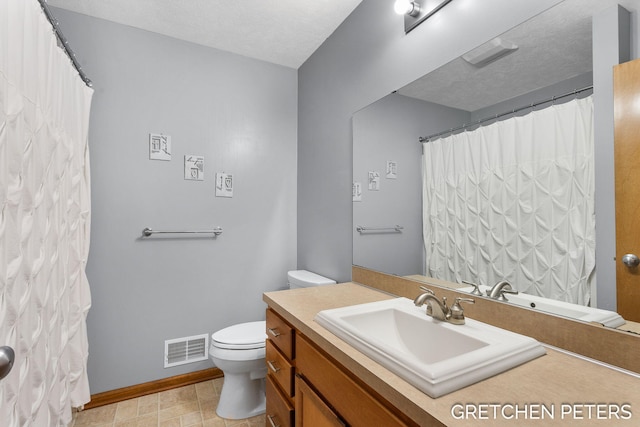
x=311 y=411
x=358 y=407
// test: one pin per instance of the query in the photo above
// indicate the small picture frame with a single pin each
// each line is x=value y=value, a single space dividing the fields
x=159 y=147
x=224 y=185
x=374 y=181
x=392 y=169
x=357 y=191
x=193 y=167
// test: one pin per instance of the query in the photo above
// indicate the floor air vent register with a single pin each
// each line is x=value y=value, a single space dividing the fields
x=184 y=350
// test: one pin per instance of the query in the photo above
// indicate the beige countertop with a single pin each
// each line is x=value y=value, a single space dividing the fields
x=630 y=327
x=573 y=388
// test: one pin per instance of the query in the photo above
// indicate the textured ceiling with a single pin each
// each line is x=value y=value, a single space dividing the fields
x=284 y=32
x=552 y=47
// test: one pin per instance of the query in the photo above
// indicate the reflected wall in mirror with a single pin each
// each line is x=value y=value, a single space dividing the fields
x=553 y=57
x=386 y=132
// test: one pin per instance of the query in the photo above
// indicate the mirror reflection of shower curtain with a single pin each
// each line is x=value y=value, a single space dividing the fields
x=514 y=200
x=44 y=221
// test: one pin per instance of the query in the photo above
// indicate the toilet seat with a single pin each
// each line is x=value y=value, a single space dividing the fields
x=243 y=336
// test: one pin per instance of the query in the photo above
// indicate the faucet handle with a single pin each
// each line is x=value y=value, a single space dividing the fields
x=456 y=312
x=476 y=289
x=503 y=298
x=427 y=290
x=421 y=299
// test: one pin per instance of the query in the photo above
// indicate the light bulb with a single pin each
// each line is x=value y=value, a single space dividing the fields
x=408 y=7
x=402 y=6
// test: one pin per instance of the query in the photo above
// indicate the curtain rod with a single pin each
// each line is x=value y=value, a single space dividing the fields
x=425 y=139
x=64 y=43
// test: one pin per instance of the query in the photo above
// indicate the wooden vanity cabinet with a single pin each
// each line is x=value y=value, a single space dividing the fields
x=280 y=410
x=280 y=369
x=346 y=398
x=280 y=385
x=311 y=410
x=306 y=388
x=281 y=334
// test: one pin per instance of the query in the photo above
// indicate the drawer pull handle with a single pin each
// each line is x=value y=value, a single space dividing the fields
x=274 y=332
x=272 y=366
x=271 y=418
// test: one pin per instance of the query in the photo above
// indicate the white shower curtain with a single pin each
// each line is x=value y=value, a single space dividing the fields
x=44 y=221
x=514 y=200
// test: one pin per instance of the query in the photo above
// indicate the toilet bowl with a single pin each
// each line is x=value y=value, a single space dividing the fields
x=238 y=351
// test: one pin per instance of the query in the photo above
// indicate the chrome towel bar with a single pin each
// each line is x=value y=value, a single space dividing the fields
x=396 y=229
x=148 y=232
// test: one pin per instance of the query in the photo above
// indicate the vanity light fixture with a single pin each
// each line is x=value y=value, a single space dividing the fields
x=406 y=7
x=416 y=11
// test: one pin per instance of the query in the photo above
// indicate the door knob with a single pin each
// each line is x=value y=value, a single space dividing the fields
x=7 y=356
x=631 y=260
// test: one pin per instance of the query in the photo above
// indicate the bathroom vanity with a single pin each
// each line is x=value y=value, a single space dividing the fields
x=300 y=374
x=316 y=379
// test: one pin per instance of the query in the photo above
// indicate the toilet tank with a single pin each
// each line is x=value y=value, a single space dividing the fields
x=306 y=279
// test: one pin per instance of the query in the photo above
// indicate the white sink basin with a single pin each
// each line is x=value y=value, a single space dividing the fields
x=434 y=356
x=561 y=308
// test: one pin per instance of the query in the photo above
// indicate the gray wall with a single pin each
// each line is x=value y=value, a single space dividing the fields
x=369 y=56
x=366 y=58
x=241 y=115
x=388 y=130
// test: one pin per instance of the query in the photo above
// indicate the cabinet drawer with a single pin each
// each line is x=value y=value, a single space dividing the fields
x=341 y=391
x=279 y=412
x=281 y=334
x=279 y=369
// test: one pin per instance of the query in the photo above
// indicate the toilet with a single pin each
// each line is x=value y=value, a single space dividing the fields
x=305 y=279
x=239 y=352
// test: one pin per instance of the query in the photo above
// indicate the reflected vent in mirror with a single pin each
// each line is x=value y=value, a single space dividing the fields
x=180 y=351
x=489 y=52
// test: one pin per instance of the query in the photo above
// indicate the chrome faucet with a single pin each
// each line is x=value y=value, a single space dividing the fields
x=439 y=309
x=422 y=298
x=499 y=289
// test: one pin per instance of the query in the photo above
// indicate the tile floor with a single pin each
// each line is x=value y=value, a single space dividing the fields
x=189 y=406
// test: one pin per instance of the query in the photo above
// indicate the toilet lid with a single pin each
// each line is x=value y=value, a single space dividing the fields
x=241 y=336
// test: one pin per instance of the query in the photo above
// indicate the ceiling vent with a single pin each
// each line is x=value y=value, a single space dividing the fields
x=489 y=52
x=180 y=351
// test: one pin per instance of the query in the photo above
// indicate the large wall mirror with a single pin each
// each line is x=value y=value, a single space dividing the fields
x=538 y=61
